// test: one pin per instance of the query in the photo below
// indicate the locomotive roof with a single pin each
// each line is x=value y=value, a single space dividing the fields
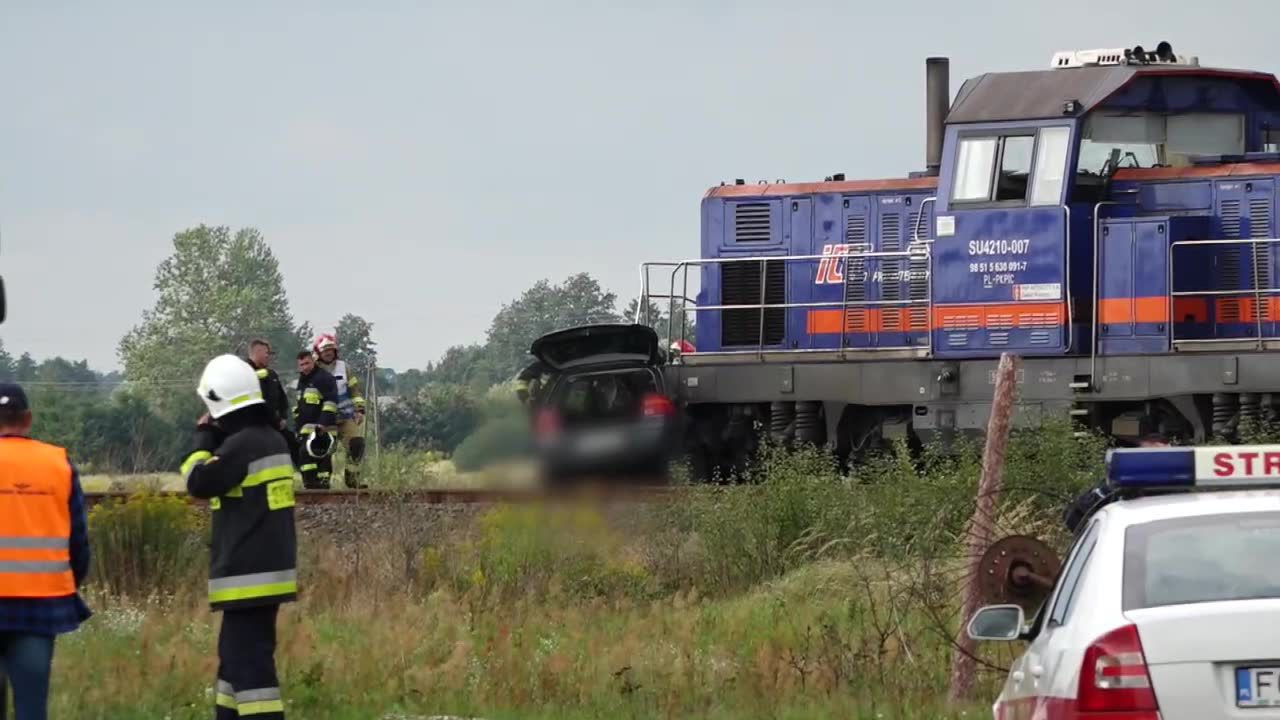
x=1041 y=94
x=830 y=186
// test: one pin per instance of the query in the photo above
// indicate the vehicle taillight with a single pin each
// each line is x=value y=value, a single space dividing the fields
x=1114 y=682
x=656 y=405
x=547 y=422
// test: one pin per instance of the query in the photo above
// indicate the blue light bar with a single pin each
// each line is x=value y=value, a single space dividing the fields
x=1202 y=467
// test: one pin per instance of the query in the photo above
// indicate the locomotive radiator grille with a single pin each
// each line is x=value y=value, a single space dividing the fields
x=1003 y=321
x=1260 y=227
x=891 y=268
x=918 y=285
x=1229 y=309
x=740 y=285
x=752 y=222
x=855 y=278
x=1029 y=320
x=961 y=322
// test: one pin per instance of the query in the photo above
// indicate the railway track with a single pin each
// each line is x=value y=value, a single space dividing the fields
x=650 y=493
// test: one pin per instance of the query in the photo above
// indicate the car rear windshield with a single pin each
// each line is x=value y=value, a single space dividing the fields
x=604 y=395
x=1201 y=559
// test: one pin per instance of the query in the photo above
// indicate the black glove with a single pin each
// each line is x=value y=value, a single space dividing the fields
x=208 y=437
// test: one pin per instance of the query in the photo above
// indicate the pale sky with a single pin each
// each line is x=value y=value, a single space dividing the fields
x=422 y=163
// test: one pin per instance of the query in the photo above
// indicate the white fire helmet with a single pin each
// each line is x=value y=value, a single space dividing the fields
x=228 y=383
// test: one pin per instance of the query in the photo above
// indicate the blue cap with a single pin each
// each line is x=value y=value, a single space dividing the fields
x=1195 y=467
x=12 y=397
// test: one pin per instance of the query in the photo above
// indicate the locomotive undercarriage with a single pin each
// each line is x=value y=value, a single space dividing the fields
x=854 y=408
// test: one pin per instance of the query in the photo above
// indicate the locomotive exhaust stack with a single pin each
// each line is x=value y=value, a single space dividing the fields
x=937 y=103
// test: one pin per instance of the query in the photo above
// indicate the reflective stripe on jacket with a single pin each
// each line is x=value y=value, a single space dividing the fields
x=317 y=400
x=249 y=482
x=35 y=521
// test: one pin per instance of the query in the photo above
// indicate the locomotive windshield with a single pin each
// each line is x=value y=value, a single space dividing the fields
x=1121 y=140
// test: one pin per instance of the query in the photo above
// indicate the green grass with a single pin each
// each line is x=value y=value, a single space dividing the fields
x=796 y=647
x=801 y=594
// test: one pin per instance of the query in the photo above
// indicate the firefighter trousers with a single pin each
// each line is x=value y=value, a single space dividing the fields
x=351 y=434
x=316 y=472
x=247 y=683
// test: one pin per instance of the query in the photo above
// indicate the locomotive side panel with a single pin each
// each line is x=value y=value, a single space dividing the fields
x=841 y=265
x=1001 y=279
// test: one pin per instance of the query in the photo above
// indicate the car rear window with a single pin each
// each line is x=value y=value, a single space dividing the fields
x=1202 y=559
x=604 y=394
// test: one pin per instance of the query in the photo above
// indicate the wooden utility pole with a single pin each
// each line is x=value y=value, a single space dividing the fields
x=963 y=666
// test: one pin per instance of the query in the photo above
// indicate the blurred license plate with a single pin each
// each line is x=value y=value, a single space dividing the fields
x=601 y=441
x=1258 y=687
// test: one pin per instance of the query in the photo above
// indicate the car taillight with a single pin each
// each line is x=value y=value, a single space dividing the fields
x=1114 y=682
x=656 y=405
x=547 y=422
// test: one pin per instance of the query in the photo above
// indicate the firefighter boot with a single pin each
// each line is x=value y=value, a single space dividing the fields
x=352 y=479
x=316 y=473
x=351 y=473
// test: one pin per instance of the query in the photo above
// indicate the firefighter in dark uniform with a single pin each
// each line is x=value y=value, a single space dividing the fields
x=241 y=464
x=273 y=394
x=316 y=417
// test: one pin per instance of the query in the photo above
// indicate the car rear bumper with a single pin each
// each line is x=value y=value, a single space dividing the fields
x=618 y=450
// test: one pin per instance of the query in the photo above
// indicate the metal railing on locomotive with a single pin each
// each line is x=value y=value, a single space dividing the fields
x=642 y=307
x=919 y=247
x=919 y=251
x=1258 y=293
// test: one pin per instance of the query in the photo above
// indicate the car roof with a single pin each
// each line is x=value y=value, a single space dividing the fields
x=1191 y=504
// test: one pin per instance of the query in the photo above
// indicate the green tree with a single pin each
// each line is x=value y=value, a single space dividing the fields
x=579 y=300
x=438 y=417
x=657 y=319
x=468 y=365
x=216 y=291
x=62 y=371
x=355 y=342
x=6 y=365
x=25 y=369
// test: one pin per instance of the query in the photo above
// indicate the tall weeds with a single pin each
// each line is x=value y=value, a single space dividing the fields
x=800 y=592
x=146 y=543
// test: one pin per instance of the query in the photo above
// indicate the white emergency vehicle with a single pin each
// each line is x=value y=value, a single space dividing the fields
x=1167 y=606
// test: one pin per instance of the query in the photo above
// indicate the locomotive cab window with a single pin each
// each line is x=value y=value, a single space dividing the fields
x=1015 y=168
x=1052 y=148
x=1012 y=169
x=973 y=169
x=1115 y=140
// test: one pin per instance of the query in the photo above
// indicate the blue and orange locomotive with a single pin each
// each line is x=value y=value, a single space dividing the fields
x=1110 y=219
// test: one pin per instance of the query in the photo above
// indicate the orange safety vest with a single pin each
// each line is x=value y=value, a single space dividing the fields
x=35 y=520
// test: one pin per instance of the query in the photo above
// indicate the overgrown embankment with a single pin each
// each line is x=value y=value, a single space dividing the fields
x=799 y=594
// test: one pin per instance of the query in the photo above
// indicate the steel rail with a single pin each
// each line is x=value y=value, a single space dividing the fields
x=425 y=496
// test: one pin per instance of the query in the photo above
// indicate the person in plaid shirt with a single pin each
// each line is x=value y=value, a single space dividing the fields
x=44 y=554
